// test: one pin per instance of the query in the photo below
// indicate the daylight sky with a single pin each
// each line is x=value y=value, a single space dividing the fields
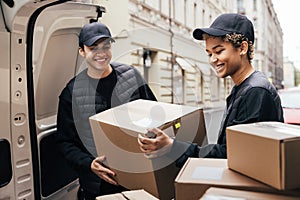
x=288 y=14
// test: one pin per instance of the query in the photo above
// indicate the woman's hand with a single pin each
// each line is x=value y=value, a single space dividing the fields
x=103 y=172
x=154 y=147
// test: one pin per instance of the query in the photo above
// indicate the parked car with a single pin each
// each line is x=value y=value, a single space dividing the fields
x=290 y=101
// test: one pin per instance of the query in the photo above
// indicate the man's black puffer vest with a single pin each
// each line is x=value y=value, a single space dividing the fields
x=86 y=102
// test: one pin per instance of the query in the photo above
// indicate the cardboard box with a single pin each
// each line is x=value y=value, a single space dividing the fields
x=199 y=174
x=229 y=194
x=115 y=133
x=266 y=151
x=133 y=194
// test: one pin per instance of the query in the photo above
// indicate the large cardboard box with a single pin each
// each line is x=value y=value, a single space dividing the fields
x=199 y=174
x=214 y=193
x=115 y=133
x=133 y=194
x=266 y=151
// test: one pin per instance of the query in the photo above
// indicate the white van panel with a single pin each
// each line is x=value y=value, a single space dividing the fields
x=8 y=189
x=11 y=12
x=55 y=61
x=55 y=52
x=39 y=54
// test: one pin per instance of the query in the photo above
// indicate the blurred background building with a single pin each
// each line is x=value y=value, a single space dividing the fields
x=289 y=70
x=155 y=36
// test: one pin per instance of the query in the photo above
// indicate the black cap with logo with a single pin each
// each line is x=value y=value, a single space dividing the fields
x=90 y=33
x=226 y=24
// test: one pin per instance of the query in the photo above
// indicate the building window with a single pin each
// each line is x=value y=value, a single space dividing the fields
x=256 y=44
x=178 y=84
x=153 y=3
x=165 y=7
x=254 y=5
x=200 y=89
x=195 y=14
x=185 y=12
x=214 y=88
x=240 y=6
x=173 y=10
x=203 y=18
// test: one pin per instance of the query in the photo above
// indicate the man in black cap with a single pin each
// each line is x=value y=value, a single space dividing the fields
x=102 y=85
x=229 y=45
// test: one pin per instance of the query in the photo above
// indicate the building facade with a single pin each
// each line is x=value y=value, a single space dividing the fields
x=269 y=38
x=155 y=36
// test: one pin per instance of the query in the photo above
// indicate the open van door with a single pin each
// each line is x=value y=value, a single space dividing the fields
x=39 y=55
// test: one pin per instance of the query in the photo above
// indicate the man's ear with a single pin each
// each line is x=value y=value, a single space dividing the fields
x=244 y=48
x=81 y=52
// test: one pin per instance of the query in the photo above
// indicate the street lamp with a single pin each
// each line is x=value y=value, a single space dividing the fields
x=147 y=58
x=147 y=63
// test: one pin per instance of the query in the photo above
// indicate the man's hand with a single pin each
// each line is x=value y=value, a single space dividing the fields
x=103 y=172
x=154 y=147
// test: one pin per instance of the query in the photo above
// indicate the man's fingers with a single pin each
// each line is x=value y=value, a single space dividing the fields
x=145 y=141
x=141 y=143
x=100 y=159
x=141 y=139
x=154 y=130
x=158 y=132
x=108 y=171
x=106 y=174
x=109 y=179
x=148 y=145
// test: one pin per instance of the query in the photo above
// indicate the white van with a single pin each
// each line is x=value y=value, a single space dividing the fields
x=39 y=54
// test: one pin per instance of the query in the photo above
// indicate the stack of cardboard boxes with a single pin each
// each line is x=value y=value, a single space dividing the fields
x=262 y=159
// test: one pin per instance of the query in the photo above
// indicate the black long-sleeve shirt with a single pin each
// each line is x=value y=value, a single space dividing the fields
x=254 y=100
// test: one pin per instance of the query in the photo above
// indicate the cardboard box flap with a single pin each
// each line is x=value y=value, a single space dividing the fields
x=117 y=196
x=272 y=130
x=139 y=194
x=199 y=174
x=157 y=114
x=131 y=194
x=215 y=193
x=213 y=172
x=290 y=173
x=193 y=169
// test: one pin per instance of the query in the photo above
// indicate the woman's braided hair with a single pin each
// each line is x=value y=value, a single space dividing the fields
x=237 y=39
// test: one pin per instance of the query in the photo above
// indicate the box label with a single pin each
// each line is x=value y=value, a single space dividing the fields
x=208 y=173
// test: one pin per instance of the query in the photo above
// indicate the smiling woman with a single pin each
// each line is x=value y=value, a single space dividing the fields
x=290 y=101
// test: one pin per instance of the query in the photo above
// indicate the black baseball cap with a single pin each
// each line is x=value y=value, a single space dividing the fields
x=92 y=32
x=226 y=24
